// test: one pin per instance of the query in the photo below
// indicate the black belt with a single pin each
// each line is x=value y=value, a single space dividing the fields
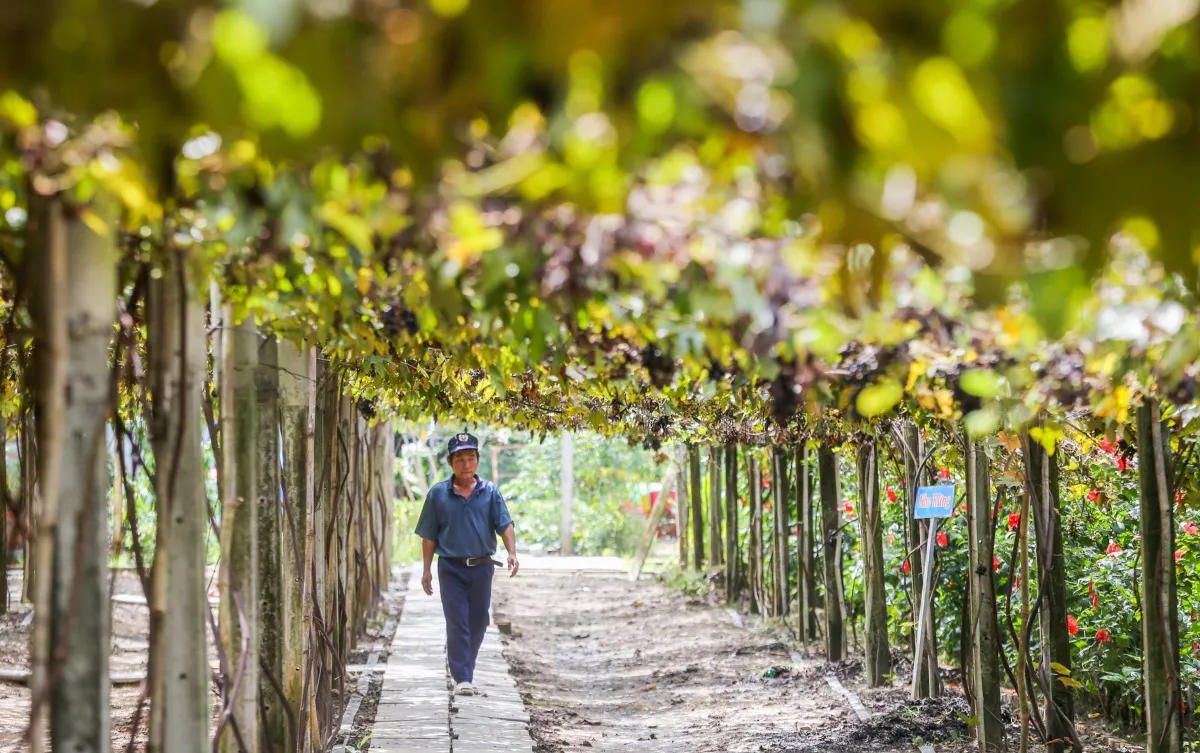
x=472 y=561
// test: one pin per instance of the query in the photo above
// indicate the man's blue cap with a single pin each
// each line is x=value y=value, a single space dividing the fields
x=462 y=442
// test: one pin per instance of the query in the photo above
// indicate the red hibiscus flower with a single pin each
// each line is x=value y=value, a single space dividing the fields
x=996 y=564
x=1179 y=498
x=1016 y=582
x=796 y=530
x=907 y=568
x=743 y=501
x=944 y=472
x=1093 y=495
x=1179 y=554
x=943 y=539
x=1122 y=463
x=1095 y=600
x=1113 y=550
x=1014 y=520
x=1103 y=636
x=1107 y=446
x=891 y=495
x=848 y=505
x=1190 y=528
x=1072 y=625
x=963 y=507
x=1196 y=647
x=767 y=506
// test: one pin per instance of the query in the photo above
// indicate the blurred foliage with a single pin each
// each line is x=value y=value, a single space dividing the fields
x=610 y=476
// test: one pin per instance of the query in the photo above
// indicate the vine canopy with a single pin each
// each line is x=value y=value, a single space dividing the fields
x=709 y=218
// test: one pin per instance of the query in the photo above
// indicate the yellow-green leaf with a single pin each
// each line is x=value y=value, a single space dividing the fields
x=1060 y=669
x=1070 y=683
x=983 y=383
x=878 y=398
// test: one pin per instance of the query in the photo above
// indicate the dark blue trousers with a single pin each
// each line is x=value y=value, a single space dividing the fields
x=466 y=598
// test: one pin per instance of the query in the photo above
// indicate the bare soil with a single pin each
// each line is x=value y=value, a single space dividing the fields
x=611 y=665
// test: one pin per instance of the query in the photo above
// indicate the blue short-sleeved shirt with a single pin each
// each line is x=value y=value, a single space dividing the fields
x=463 y=527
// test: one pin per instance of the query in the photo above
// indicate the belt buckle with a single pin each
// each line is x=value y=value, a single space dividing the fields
x=473 y=561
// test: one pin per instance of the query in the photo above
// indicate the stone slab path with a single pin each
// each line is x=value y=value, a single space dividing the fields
x=416 y=712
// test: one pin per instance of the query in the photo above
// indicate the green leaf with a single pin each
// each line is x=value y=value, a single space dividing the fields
x=981 y=422
x=878 y=398
x=982 y=383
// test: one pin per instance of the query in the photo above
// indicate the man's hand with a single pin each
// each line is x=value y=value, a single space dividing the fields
x=427 y=582
x=513 y=565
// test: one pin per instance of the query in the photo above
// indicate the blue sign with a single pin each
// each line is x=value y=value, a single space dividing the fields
x=934 y=502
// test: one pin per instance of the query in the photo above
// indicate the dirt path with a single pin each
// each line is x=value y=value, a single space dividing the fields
x=615 y=666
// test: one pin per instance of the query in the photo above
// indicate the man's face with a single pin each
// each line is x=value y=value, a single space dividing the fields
x=465 y=462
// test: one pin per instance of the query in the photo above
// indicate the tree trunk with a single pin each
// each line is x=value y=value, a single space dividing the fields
x=179 y=673
x=270 y=534
x=755 y=557
x=1051 y=569
x=239 y=610
x=878 y=656
x=929 y=682
x=806 y=583
x=697 y=508
x=78 y=579
x=716 y=554
x=1160 y=629
x=831 y=537
x=985 y=657
x=782 y=514
x=296 y=464
x=732 y=556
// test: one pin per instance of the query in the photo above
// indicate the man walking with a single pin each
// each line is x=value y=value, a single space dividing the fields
x=460 y=521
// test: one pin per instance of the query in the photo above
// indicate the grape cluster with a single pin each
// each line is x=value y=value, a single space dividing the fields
x=366 y=408
x=660 y=367
x=397 y=318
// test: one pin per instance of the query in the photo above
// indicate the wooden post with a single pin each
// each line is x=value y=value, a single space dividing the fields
x=754 y=558
x=293 y=387
x=567 y=522
x=78 y=606
x=1160 y=630
x=270 y=534
x=652 y=521
x=782 y=514
x=716 y=553
x=831 y=537
x=806 y=582
x=178 y=668
x=697 y=507
x=1056 y=641
x=732 y=556
x=48 y=384
x=239 y=607
x=985 y=657
x=878 y=656
x=928 y=683
x=682 y=506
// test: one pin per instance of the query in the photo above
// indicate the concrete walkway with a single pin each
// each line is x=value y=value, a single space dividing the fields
x=416 y=712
